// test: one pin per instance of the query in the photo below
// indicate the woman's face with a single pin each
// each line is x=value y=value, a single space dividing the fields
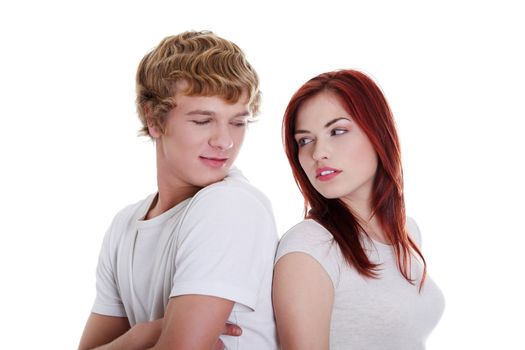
x=334 y=152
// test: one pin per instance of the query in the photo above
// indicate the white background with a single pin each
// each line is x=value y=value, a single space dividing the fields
x=453 y=73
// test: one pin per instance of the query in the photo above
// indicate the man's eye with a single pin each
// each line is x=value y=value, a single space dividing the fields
x=201 y=122
x=240 y=123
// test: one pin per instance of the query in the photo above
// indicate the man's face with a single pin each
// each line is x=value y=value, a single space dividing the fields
x=202 y=137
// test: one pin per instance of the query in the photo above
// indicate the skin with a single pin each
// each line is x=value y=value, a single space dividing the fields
x=328 y=138
x=303 y=296
x=109 y=331
x=199 y=129
x=201 y=139
x=342 y=145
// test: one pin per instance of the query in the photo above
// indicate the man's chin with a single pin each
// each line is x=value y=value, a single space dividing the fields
x=212 y=179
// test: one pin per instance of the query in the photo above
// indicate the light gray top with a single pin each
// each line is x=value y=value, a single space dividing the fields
x=370 y=314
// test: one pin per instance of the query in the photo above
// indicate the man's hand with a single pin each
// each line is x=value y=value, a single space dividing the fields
x=146 y=335
x=229 y=329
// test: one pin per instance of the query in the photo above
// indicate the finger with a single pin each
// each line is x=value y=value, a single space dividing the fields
x=232 y=329
x=219 y=345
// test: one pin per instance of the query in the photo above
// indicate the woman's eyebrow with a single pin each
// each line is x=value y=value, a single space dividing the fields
x=335 y=120
x=327 y=125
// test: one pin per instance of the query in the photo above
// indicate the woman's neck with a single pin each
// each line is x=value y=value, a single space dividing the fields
x=362 y=210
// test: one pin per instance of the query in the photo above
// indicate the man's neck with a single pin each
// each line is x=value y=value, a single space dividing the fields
x=168 y=197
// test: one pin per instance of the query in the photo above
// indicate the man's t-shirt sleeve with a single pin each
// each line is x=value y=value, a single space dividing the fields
x=108 y=301
x=226 y=245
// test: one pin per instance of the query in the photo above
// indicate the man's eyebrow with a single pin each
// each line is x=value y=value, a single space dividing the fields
x=327 y=125
x=201 y=112
x=212 y=113
x=242 y=114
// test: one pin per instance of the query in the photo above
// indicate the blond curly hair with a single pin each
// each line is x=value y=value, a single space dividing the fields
x=207 y=64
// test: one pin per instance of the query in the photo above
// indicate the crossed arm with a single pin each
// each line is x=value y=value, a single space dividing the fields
x=190 y=322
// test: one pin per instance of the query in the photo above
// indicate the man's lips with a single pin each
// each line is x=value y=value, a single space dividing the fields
x=214 y=162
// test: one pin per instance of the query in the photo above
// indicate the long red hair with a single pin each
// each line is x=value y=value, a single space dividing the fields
x=365 y=102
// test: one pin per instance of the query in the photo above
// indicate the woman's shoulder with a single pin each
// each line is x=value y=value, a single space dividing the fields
x=311 y=238
x=308 y=236
x=413 y=230
x=308 y=231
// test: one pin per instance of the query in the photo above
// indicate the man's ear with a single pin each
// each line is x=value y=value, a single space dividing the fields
x=153 y=128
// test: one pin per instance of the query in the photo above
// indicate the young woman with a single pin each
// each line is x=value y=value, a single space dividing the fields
x=351 y=275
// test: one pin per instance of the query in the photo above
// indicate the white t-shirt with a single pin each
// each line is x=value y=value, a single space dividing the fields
x=370 y=314
x=221 y=242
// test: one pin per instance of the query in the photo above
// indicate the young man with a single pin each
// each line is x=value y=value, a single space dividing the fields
x=177 y=266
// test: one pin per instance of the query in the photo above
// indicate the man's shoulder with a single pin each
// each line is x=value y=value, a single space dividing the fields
x=232 y=206
x=235 y=189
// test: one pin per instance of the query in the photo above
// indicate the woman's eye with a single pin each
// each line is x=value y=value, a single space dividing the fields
x=303 y=141
x=338 y=131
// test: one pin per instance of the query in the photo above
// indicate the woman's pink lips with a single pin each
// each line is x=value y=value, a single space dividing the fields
x=329 y=176
x=214 y=162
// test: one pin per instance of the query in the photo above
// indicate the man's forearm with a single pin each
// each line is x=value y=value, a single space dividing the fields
x=139 y=337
